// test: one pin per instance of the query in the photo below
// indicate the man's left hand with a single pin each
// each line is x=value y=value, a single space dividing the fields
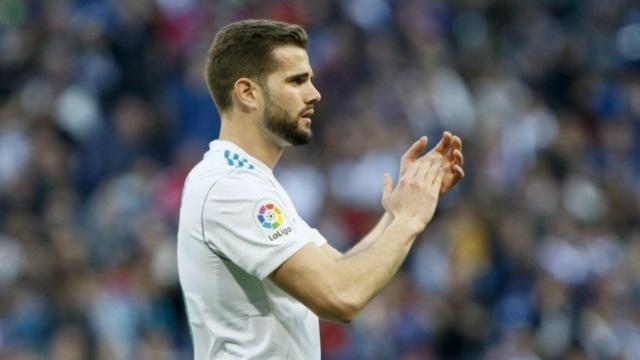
x=450 y=147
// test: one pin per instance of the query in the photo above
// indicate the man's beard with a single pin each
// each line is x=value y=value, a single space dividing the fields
x=283 y=125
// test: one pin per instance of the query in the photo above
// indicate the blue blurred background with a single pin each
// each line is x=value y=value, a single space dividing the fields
x=536 y=254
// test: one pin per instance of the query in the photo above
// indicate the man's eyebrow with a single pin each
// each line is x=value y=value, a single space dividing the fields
x=303 y=75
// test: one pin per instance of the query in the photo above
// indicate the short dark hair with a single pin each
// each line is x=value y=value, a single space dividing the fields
x=243 y=49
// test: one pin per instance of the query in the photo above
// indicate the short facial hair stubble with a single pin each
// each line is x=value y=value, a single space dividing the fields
x=283 y=125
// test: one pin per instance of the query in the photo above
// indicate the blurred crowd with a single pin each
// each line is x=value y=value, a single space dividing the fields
x=535 y=255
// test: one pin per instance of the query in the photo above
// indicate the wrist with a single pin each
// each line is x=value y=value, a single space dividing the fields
x=413 y=226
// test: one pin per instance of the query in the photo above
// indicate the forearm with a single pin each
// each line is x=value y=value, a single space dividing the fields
x=372 y=236
x=358 y=278
x=338 y=287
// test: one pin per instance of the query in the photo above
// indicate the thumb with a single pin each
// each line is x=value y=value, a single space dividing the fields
x=387 y=185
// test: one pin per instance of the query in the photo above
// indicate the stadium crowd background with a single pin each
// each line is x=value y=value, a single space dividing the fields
x=536 y=254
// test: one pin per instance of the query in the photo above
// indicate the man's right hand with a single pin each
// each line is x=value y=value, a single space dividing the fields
x=415 y=197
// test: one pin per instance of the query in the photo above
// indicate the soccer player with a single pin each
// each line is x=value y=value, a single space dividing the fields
x=255 y=276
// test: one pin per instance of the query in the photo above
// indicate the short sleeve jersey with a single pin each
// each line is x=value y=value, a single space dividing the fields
x=237 y=225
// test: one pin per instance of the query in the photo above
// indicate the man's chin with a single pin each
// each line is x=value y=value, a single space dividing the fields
x=303 y=137
x=287 y=134
x=301 y=141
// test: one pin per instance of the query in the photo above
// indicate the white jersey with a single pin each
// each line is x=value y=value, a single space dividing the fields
x=237 y=225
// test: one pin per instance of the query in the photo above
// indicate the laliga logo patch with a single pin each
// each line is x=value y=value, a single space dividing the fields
x=270 y=217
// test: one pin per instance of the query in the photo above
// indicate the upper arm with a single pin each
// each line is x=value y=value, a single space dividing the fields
x=308 y=276
x=251 y=226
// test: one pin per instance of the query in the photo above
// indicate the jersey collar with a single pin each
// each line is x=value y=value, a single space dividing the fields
x=228 y=145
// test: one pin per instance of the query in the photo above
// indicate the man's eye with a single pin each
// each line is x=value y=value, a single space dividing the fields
x=298 y=80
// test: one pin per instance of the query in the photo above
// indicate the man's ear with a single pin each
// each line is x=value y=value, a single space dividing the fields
x=245 y=92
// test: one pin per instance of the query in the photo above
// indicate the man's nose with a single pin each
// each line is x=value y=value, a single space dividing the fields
x=314 y=95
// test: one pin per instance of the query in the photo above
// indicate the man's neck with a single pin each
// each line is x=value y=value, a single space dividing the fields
x=246 y=135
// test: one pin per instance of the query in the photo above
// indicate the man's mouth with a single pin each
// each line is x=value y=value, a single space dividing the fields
x=307 y=114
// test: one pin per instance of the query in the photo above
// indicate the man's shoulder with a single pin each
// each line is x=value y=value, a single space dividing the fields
x=221 y=163
x=243 y=181
x=228 y=173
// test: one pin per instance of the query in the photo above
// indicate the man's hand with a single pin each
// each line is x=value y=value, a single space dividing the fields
x=338 y=287
x=450 y=148
x=416 y=196
x=412 y=155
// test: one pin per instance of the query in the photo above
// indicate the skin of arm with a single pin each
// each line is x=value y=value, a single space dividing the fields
x=372 y=236
x=366 y=241
x=338 y=288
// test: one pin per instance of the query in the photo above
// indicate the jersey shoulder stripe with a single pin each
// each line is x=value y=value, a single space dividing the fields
x=236 y=160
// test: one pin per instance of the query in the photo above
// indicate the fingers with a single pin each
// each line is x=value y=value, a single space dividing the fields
x=456 y=143
x=446 y=146
x=458 y=172
x=444 y=143
x=417 y=148
x=458 y=158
